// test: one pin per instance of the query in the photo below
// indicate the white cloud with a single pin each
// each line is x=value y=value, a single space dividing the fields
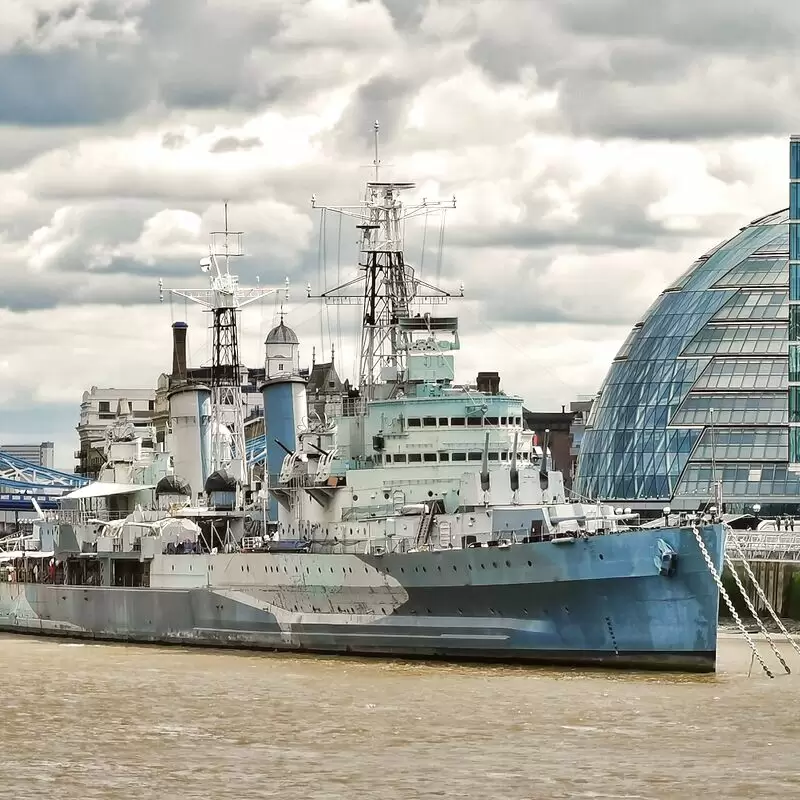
x=562 y=240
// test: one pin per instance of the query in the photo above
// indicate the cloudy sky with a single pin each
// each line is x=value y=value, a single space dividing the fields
x=595 y=147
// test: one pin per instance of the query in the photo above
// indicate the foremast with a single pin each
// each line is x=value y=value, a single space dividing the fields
x=390 y=285
x=224 y=299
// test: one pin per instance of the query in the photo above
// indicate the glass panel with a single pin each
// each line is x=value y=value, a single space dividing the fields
x=794 y=404
x=794 y=241
x=757 y=408
x=626 y=345
x=794 y=281
x=757 y=272
x=744 y=373
x=794 y=323
x=775 y=480
x=794 y=363
x=794 y=445
x=777 y=246
x=745 y=339
x=742 y=444
x=794 y=159
x=755 y=305
x=794 y=200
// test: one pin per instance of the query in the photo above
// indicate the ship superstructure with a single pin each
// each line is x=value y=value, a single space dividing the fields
x=409 y=515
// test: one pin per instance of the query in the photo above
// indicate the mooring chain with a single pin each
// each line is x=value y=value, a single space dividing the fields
x=753 y=611
x=778 y=621
x=724 y=592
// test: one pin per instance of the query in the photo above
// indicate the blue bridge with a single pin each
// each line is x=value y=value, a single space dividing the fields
x=22 y=483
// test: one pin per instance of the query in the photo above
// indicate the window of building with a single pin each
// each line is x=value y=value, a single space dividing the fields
x=104 y=407
x=151 y=405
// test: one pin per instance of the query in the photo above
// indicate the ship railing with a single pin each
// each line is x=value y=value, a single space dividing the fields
x=764 y=545
x=75 y=517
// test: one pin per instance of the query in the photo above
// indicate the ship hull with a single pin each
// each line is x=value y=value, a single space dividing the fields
x=605 y=601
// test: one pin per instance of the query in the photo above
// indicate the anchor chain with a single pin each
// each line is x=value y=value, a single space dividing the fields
x=778 y=621
x=753 y=611
x=724 y=592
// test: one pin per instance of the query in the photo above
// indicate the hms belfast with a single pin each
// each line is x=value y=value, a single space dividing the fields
x=407 y=516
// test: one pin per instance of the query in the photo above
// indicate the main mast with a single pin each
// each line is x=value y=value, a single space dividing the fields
x=224 y=299
x=390 y=286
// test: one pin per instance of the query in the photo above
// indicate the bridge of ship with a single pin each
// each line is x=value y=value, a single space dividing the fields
x=24 y=485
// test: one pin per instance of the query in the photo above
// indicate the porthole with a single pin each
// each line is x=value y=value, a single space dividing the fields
x=483 y=566
x=355 y=498
x=470 y=566
x=494 y=564
x=508 y=563
x=530 y=564
x=600 y=556
x=454 y=567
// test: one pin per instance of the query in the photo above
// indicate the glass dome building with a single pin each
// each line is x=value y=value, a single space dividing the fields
x=699 y=389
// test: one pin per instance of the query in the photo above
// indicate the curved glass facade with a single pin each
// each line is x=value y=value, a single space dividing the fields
x=699 y=387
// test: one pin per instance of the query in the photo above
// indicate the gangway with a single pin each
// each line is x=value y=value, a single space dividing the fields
x=22 y=483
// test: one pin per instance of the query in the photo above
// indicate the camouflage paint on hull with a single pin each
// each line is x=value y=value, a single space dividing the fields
x=601 y=601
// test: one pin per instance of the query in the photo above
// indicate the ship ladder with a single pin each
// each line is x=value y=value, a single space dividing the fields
x=760 y=592
x=728 y=602
x=425 y=525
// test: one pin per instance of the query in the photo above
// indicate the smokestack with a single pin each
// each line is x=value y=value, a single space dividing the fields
x=179 y=352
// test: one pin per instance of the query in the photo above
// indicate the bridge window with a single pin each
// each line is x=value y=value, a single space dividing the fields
x=475 y=455
x=429 y=422
x=504 y=420
x=493 y=456
x=429 y=457
x=400 y=458
x=491 y=420
x=459 y=456
x=458 y=421
x=415 y=458
x=503 y=455
x=474 y=422
x=413 y=422
x=444 y=456
x=443 y=422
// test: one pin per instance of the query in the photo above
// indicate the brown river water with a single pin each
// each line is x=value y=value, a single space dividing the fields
x=114 y=721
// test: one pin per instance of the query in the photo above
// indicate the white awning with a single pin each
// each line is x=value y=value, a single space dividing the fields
x=101 y=489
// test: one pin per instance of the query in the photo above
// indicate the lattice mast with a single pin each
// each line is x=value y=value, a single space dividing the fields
x=390 y=286
x=224 y=299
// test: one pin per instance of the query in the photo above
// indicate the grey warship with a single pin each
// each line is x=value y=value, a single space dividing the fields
x=406 y=516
